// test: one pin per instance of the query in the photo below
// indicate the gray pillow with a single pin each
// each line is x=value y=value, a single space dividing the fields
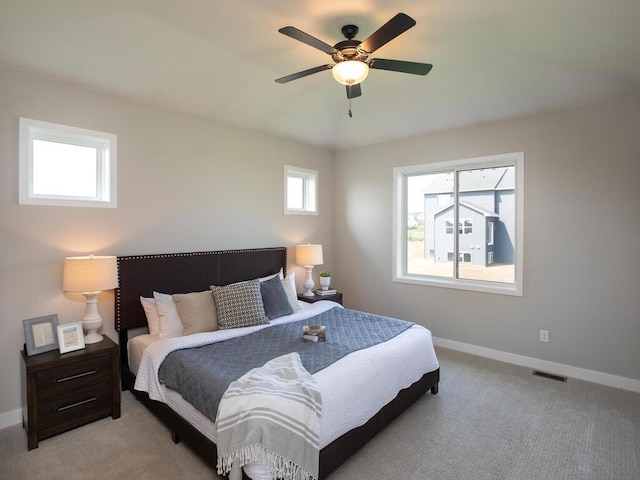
x=274 y=298
x=239 y=305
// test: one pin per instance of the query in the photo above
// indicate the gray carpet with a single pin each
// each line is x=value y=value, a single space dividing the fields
x=491 y=420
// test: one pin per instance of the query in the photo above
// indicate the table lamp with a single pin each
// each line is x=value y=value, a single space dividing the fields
x=308 y=255
x=90 y=275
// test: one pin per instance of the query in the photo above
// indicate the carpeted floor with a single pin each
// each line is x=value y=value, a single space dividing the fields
x=491 y=420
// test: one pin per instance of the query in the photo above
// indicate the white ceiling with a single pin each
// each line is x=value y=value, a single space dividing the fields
x=218 y=59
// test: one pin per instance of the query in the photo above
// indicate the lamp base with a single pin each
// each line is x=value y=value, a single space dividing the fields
x=92 y=320
x=93 y=337
x=308 y=282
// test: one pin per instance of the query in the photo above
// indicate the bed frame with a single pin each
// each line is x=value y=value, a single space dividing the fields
x=140 y=275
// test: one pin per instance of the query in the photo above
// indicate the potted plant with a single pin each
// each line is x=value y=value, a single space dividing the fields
x=325 y=280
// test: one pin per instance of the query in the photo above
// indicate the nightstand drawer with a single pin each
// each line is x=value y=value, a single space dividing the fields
x=69 y=378
x=78 y=406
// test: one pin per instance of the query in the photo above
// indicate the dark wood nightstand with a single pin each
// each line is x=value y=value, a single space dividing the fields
x=337 y=297
x=64 y=391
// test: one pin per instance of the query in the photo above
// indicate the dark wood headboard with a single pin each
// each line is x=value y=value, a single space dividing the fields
x=141 y=275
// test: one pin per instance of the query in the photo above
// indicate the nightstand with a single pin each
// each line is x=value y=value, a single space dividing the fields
x=63 y=391
x=337 y=297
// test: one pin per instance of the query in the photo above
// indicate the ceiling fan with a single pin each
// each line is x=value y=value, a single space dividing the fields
x=351 y=56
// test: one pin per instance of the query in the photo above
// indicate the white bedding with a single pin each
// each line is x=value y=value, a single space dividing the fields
x=353 y=389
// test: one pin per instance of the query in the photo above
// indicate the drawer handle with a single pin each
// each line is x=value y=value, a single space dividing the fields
x=77 y=404
x=80 y=375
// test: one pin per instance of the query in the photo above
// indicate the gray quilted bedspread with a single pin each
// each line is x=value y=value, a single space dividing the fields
x=202 y=374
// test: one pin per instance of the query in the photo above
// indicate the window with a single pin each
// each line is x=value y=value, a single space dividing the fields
x=484 y=198
x=465 y=227
x=301 y=191
x=490 y=235
x=66 y=166
x=463 y=257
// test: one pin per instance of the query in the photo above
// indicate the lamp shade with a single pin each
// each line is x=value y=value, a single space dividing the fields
x=309 y=254
x=350 y=72
x=90 y=274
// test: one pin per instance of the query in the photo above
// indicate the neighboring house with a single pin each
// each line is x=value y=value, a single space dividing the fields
x=486 y=223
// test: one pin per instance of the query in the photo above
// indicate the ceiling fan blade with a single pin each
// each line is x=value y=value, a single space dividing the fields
x=353 y=91
x=400 y=66
x=390 y=30
x=299 y=35
x=304 y=73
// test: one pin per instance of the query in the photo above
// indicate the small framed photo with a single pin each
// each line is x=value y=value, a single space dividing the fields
x=40 y=334
x=71 y=337
x=313 y=333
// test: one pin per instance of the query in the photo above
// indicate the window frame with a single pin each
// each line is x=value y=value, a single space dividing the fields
x=106 y=163
x=399 y=270
x=310 y=184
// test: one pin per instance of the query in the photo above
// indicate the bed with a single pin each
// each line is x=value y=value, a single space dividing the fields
x=141 y=275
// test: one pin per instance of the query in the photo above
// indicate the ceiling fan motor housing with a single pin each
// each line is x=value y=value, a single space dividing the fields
x=348 y=50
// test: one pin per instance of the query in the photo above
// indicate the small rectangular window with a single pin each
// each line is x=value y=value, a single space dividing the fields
x=449 y=227
x=301 y=191
x=490 y=234
x=66 y=166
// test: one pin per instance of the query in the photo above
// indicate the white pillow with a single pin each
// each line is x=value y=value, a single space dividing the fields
x=150 y=310
x=170 y=324
x=289 y=284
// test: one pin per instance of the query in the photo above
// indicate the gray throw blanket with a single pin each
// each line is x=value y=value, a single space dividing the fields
x=202 y=374
x=271 y=415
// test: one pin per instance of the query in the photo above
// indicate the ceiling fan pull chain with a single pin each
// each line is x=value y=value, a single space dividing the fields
x=350 y=114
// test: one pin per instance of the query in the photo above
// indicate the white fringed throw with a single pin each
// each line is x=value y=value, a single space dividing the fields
x=271 y=415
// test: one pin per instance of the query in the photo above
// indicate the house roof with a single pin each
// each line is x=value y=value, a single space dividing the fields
x=487 y=179
x=482 y=211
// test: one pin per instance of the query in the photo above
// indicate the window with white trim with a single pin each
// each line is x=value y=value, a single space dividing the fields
x=486 y=202
x=465 y=227
x=301 y=191
x=66 y=166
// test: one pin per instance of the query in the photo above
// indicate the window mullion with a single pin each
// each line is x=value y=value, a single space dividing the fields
x=404 y=209
x=456 y=223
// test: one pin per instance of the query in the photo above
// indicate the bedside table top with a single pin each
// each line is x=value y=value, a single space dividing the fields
x=44 y=359
x=336 y=297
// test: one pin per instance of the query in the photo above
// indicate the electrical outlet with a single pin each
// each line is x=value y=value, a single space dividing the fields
x=544 y=336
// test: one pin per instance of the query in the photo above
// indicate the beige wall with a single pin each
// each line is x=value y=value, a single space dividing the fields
x=184 y=184
x=188 y=184
x=582 y=228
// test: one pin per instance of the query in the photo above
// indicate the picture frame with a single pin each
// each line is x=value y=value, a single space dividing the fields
x=70 y=337
x=40 y=334
x=313 y=333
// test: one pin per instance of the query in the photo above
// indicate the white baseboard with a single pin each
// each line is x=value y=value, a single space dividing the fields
x=8 y=419
x=543 y=365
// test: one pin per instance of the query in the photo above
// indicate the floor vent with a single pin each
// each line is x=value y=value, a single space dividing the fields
x=550 y=376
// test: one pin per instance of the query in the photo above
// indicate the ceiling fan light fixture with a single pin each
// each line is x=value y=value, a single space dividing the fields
x=350 y=72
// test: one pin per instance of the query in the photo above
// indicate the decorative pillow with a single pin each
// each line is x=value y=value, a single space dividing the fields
x=197 y=311
x=239 y=305
x=289 y=285
x=170 y=324
x=274 y=299
x=150 y=310
x=269 y=277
